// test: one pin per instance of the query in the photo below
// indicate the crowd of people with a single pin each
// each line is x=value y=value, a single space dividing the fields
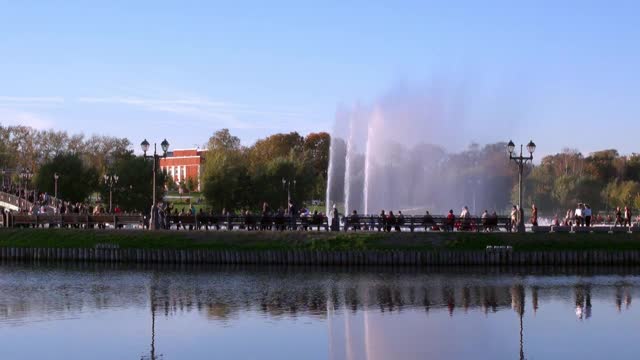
x=164 y=214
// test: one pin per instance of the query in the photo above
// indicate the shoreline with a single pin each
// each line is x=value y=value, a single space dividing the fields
x=325 y=258
x=318 y=248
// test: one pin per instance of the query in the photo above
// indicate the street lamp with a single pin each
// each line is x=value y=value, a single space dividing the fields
x=287 y=184
x=110 y=181
x=145 y=147
x=55 y=187
x=25 y=175
x=521 y=160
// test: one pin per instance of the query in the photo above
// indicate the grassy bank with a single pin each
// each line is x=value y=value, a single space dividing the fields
x=70 y=238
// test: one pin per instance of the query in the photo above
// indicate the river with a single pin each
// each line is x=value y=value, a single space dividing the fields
x=98 y=311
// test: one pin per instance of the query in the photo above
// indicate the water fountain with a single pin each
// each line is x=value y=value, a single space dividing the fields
x=393 y=155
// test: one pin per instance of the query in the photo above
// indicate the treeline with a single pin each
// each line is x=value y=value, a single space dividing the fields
x=238 y=177
x=603 y=179
x=81 y=162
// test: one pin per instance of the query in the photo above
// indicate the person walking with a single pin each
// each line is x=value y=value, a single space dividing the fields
x=534 y=215
x=578 y=215
x=399 y=221
x=587 y=215
x=514 y=218
x=451 y=220
x=618 y=217
x=383 y=221
x=391 y=221
x=627 y=216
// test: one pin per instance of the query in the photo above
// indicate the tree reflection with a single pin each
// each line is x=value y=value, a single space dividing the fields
x=220 y=294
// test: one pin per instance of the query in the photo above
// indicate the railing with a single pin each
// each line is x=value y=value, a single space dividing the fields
x=259 y=222
x=281 y=223
x=14 y=202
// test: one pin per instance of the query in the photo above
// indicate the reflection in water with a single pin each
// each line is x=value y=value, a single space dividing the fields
x=364 y=314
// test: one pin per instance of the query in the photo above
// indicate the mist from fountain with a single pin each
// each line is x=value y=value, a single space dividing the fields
x=392 y=155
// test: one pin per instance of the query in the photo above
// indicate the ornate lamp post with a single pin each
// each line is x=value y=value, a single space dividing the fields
x=521 y=160
x=110 y=181
x=55 y=187
x=145 y=147
x=25 y=175
x=287 y=184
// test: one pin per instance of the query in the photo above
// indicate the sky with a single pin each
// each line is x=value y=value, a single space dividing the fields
x=563 y=73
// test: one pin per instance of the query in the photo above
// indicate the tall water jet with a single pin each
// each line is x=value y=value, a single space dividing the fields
x=330 y=175
x=392 y=155
x=348 y=166
x=367 y=169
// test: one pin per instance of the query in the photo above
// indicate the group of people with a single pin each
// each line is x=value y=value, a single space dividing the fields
x=387 y=221
x=582 y=215
x=164 y=216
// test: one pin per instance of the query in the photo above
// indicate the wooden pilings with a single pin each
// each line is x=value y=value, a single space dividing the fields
x=333 y=258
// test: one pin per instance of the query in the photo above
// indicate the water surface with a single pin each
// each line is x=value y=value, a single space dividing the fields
x=98 y=311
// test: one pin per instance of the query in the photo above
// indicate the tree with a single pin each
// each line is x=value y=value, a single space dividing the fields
x=134 y=190
x=225 y=179
x=223 y=140
x=224 y=176
x=76 y=180
x=622 y=193
x=192 y=184
x=276 y=146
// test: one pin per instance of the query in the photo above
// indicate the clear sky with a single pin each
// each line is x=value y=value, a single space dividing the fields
x=564 y=73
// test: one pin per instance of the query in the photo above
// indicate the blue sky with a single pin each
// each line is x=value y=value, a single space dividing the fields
x=563 y=73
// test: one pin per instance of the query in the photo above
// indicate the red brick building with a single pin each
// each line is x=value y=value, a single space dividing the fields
x=183 y=164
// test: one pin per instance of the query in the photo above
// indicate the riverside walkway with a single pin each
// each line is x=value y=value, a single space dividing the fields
x=285 y=223
x=362 y=223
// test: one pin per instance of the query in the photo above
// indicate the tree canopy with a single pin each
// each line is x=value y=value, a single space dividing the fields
x=76 y=180
x=245 y=177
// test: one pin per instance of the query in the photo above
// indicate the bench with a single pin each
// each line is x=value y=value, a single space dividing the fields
x=541 y=229
x=601 y=229
x=619 y=229
x=581 y=229
x=561 y=229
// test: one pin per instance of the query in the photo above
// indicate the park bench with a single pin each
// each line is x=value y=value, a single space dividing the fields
x=20 y=220
x=419 y=222
x=581 y=229
x=561 y=229
x=541 y=229
x=600 y=229
x=181 y=221
x=132 y=220
x=619 y=229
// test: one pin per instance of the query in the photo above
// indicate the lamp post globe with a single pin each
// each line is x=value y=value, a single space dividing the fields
x=144 y=145
x=164 y=145
x=531 y=147
x=510 y=147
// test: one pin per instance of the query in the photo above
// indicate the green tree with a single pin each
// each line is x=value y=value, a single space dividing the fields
x=224 y=180
x=134 y=190
x=192 y=184
x=76 y=180
x=622 y=193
